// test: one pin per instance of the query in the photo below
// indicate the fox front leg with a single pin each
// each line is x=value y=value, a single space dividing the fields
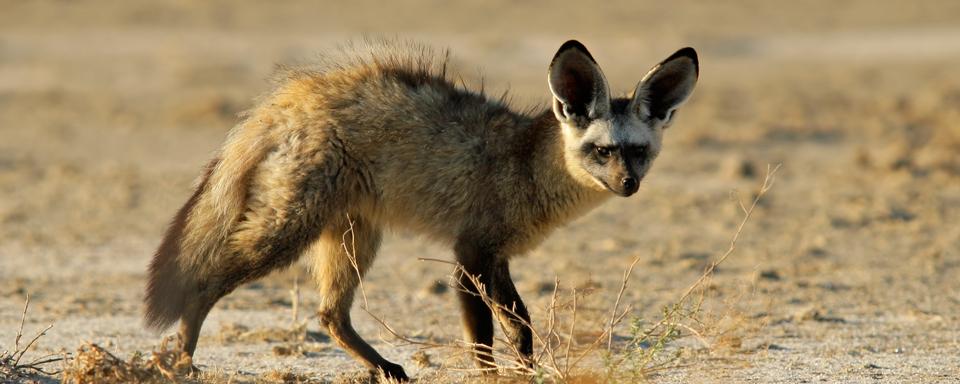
x=511 y=312
x=482 y=267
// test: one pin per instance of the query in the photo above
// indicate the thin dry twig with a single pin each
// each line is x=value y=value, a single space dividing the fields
x=23 y=318
x=10 y=361
x=351 y=255
x=747 y=213
x=616 y=304
x=570 y=333
x=16 y=362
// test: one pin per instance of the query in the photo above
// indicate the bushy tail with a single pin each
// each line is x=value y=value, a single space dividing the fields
x=168 y=285
x=201 y=228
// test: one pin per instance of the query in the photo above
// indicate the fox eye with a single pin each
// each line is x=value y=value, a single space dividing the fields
x=603 y=152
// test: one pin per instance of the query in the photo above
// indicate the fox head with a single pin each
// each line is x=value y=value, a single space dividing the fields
x=610 y=143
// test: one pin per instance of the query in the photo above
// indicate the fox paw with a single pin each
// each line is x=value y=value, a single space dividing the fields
x=391 y=371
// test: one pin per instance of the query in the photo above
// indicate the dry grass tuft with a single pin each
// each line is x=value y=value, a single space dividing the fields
x=285 y=377
x=93 y=364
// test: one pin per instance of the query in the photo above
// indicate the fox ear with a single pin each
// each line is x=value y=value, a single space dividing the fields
x=580 y=90
x=667 y=85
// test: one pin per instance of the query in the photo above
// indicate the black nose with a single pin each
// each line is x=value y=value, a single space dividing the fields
x=629 y=183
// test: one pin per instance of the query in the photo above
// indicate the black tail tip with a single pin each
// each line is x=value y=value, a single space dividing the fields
x=157 y=321
x=162 y=305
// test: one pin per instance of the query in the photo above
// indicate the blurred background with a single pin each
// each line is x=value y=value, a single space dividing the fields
x=108 y=110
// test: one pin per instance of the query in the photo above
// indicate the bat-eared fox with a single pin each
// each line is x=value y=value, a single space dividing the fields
x=381 y=138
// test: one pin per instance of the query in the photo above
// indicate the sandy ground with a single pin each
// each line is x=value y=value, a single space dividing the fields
x=846 y=273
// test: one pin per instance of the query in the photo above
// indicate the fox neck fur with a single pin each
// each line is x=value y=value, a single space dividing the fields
x=557 y=192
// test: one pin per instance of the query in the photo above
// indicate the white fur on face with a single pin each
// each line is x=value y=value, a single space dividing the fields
x=624 y=130
x=573 y=155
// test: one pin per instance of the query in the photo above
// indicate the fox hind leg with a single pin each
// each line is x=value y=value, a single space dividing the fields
x=245 y=267
x=259 y=246
x=342 y=256
x=194 y=313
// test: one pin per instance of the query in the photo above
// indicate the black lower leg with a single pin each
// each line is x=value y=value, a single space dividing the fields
x=478 y=325
x=513 y=313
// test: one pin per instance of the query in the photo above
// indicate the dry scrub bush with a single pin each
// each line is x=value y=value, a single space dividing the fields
x=93 y=364
x=11 y=368
x=562 y=358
